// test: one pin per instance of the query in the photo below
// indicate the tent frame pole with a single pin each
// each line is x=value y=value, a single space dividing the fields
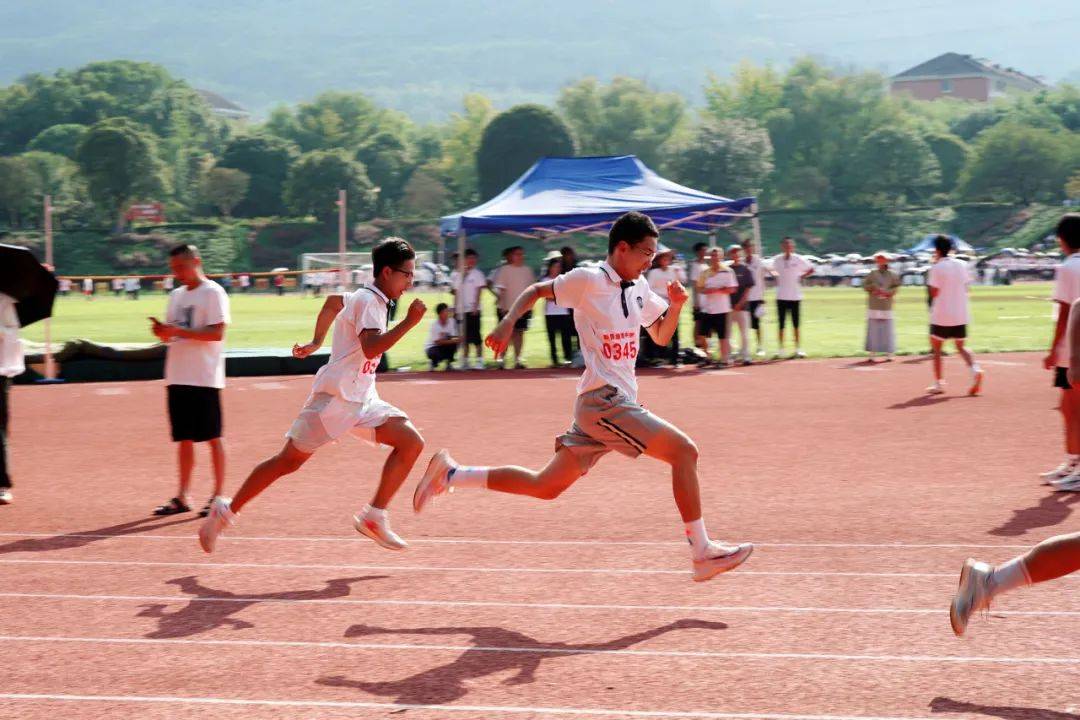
x=459 y=301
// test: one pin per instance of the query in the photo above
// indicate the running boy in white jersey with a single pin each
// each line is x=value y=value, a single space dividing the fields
x=948 y=282
x=343 y=397
x=611 y=302
x=194 y=333
x=1066 y=292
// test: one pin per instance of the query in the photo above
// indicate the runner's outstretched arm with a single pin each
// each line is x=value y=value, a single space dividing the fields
x=330 y=309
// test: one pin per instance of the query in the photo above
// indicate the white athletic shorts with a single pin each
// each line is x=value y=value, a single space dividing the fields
x=325 y=418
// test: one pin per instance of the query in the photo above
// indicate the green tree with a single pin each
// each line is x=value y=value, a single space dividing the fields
x=623 y=118
x=313 y=184
x=892 y=165
x=61 y=139
x=730 y=157
x=388 y=162
x=458 y=162
x=1014 y=162
x=516 y=139
x=19 y=186
x=334 y=120
x=224 y=188
x=1072 y=187
x=425 y=196
x=266 y=159
x=753 y=92
x=951 y=153
x=119 y=161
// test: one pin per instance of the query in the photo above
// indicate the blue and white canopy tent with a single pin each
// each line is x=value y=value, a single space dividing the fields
x=558 y=196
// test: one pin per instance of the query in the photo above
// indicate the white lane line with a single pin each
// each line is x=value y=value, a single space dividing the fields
x=599 y=542
x=181 y=599
x=467 y=568
x=270 y=386
x=493 y=709
x=551 y=650
x=112 y=391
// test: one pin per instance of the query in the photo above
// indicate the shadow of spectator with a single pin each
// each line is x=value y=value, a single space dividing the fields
x=85 y=537
x=210 y=609
x=495 y=650
x=1052 y=510
x=943 y=704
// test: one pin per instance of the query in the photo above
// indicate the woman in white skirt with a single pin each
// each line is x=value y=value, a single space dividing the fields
x=881 y=286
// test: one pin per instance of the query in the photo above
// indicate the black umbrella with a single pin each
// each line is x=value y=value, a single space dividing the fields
x=29 y=282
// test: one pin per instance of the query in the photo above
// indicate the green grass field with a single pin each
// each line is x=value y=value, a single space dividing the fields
x=1011 y=318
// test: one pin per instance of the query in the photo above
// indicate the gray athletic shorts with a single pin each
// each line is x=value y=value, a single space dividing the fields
x=605 y=420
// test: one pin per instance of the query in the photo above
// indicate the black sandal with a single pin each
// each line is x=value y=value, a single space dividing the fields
x=206 y=508
x=173 y=507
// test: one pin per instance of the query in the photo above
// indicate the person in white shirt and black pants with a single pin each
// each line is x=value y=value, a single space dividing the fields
x=467 y=295
x=789 y=269
x=948 y=281
x=659 y=276
x=194 y=330
x=1066 y=291
x=11 y=364
x=558 y=320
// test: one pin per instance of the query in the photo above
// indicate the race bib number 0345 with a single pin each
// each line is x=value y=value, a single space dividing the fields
x=620 y=350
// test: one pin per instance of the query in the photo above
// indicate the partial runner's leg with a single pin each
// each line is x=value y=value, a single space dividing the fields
x=287 y=460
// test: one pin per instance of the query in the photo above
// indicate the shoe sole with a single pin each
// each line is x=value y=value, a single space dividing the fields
x=976 y=387
x=207 y=547
x=720 y=569
x=437 y=464
x=361 y=528
x=958 y=627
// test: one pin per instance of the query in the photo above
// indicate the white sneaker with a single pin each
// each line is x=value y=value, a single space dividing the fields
x=221 y=516
x=436 y=480
x=761 y=352
x=1069 y=483
x=6 y=498
x=478 y=364
x=972 y=595
x=1066 y=468
x=720 y=559
x=938 y=388
x=799 y=353
x=378 y=530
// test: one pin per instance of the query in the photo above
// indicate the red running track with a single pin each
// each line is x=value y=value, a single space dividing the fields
x=863 y=495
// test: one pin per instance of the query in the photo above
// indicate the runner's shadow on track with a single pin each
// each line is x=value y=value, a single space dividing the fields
x=943 y=704
x=85 y=537
x=923 y=401
x=1052 y=510
x=210 y=609
x=495 y=650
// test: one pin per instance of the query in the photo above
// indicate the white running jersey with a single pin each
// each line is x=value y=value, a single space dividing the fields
x=350 y=374
x=608 y=314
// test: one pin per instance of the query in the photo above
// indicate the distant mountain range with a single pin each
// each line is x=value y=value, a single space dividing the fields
x=422 y=56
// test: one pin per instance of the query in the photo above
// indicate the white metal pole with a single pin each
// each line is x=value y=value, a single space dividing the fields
x=342 y=272
x=459 y=298
x=50 y=365
x=755 y=223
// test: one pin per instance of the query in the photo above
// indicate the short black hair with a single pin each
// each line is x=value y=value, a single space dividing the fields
x=469 y=252
x=748 y=243
x=440 y=307
x=631 y=228
x=567 y=249
x=552 y=261
x=1068 y=229
x=185 y=249
x=700 y=246
x=943 y=244
x=511 y=249
x=390 y=253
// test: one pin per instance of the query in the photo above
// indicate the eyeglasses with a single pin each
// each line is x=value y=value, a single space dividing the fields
x=407 y=273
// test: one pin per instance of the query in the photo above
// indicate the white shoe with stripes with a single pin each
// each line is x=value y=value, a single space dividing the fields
x=720 y=559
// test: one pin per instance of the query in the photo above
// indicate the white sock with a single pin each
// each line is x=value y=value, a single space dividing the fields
x=377 y=514
x=1009 y=576
x=975 y=368
x=698 y=537
x=468 y=477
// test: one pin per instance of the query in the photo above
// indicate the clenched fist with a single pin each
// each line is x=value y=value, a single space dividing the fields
x=416 y=311
x=676 y=293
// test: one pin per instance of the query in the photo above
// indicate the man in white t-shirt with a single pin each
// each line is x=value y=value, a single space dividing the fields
x=510 y=280
x=697 y=265
x=715 y=288
x=194 y=333
x=659 y=277
x=1066 y=292
x=611 y=303
x=467 y=295
x=442 y=340
x=789 y=269
x=11 y=364
x=132 y=285
x=88 y=288
x=755 y=297
x=948 y=281
x=343 y=399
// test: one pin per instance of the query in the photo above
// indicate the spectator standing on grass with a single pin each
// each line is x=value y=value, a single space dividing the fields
x=716 y=285
x=168 y=283
x=466 y=294
x=132 y=285
x=88 y=288
x=442 y=341
x=557 y=318
x=789 y=269
x=509 y=282
x=948 y=281
x=1066 y=291
x=279 y=284
x=118 y=286
x=740 y=315
x=881 y=286
x=245 y=282
x=660 y=274
x=11 y=364
x=226 y=283
x=194 y=333
x=755 y=299
x=697 y=265
x=65 y=286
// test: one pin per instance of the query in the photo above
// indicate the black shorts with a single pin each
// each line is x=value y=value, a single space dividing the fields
x=783 y=308
x=1061 y=378
x=194 y=412
x=948 y=332
x=714 y=323
x=697 y=321
x=522 y=322
x=751 y=307
x=472 y=329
